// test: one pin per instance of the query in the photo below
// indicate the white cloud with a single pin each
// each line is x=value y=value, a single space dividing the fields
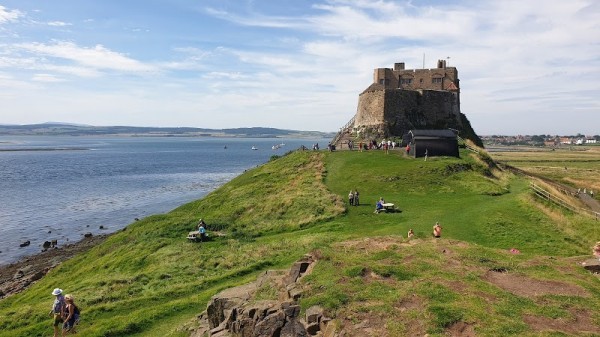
x=524 y=60
x=7 y=15
x=46 y=78
x=97 y=57
x=59 y=24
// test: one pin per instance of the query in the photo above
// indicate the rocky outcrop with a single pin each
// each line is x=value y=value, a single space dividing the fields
x=592 y=265
x=245 y=312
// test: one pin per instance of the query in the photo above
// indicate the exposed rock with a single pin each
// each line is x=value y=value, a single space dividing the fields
x=270 y=326
x=234 y=312
x=592 y=265
x=34 y=268
x=47 y=244
x=293 y=328
x=87 y=235
x=37 y=275
x=313 y=329
x=25 y=244
x=19 y=274
x=291 y=310
x=313 y=314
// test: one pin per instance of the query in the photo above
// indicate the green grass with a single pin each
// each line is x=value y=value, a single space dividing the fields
x=149 y=281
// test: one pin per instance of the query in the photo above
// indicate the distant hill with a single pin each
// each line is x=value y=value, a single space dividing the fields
x=89 y=130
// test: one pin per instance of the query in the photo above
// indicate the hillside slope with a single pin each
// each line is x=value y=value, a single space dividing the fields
x=149 y=281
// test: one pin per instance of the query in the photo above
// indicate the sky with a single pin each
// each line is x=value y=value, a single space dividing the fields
x=526 y=67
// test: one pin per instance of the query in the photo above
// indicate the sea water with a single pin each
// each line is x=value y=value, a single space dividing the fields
x=60 y=188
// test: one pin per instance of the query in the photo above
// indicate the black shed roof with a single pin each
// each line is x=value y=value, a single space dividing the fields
x=445 y=133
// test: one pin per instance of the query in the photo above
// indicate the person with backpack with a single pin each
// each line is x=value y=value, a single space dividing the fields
x=58 y=309
x=71 y=315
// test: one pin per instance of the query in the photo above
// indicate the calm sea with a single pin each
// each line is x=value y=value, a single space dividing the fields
x=59 y=188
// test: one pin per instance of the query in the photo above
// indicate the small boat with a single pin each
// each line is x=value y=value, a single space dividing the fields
x=254 y=147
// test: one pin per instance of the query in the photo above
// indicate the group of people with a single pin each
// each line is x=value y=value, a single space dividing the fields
x=65 y=312
x=353 y=198
x=437 y=231
x=585 y=191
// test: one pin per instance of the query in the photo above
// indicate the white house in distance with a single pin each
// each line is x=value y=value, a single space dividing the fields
x=586 y=140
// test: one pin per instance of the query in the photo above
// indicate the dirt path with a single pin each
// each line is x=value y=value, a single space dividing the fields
x=592 y=203
x=17 y=276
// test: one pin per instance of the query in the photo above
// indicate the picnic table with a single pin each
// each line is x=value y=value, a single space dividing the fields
x=389 y=207
x=194 y=236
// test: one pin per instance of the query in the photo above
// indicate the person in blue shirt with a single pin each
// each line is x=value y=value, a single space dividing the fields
x=202 y=232
x=379 y=205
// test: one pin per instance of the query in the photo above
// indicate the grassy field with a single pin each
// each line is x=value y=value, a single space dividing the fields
x=149 y=281
x=576 y=166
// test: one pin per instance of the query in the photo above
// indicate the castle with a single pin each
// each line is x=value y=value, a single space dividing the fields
x=400 y=100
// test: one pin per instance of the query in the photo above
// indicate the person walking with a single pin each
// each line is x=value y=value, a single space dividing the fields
x=71 y=315
x=58 y=309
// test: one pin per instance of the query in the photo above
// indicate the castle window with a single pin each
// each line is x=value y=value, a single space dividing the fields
x=406 y=80
x=436 y=80
x=384 y=81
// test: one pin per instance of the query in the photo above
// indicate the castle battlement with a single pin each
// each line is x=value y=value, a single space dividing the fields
x=400 y=100
x=440 y=78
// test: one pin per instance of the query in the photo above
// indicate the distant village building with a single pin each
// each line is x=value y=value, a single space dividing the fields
x=566 y=140
x=400 y=100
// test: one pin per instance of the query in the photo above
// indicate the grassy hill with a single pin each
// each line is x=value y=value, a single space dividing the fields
x=147 y=280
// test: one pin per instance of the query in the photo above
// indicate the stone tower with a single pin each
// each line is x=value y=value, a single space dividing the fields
x=400 y=100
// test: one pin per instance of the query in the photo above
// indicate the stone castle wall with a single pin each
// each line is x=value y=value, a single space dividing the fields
x=370 y=111
x=393 y=112
x=401 y=99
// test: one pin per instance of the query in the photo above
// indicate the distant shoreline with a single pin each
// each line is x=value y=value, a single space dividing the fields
x=61 y=129
x=46 y=149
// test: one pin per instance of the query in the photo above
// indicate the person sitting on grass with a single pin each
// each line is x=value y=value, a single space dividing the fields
x=437 y=230
x=411 y=233
x=379 y=206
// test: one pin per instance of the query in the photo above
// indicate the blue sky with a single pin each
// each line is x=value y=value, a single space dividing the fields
x=526 y=67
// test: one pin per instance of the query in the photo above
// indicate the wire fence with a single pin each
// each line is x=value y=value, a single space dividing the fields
x=542 y=193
